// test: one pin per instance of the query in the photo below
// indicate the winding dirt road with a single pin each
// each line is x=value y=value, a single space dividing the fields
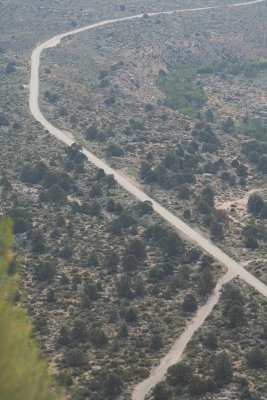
x=232 y=266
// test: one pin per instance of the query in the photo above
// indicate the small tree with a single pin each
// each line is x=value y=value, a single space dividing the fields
x=251 y=243
x=256 y=359
x=123 y=332
x=79 y=331
x=156 y=342
x=189 y=303
x=74 y=357
x=160 y=392
x=197 y=386
x=64 y=336
x=236 y=316
x=255 y=204
x=131 y=315
x=211 y=340
x=129 y=263
x=216 y=231
x=137 y=248
x=179 y=374
x=222 y=369
x=98 y=337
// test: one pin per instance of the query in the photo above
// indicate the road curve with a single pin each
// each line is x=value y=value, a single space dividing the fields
x=232 y=266
x=175 y=353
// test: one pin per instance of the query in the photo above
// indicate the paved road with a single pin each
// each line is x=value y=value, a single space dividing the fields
x=232 y=266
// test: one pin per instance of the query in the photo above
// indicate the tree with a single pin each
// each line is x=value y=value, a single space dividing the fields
x=111 y=261
x=113 y=385
x=156 y=342
x=79 y=331
x=111 y=206
x=255 y=204
x=114 y=150
x=3 y=120
x=242 y=170
x=129 y=263
x=95 y=209
x=251 y=243
x=74 y=357
x=124 y=287
x=208 y=195
x=115 y=227
x=139 y=287
x=45 y=271
x=131 y=316
x=98 y=337
x=90 y=290
x=256 y=358
x=211 y=340
x=264 y=331
x=204 y=206
x=216 y=231
x=236 y=316
x=66 y=252
x=262 y=164
x=228 y=125
x=55 y=194
x=189 y=303
x=123 y=332
x=205 y=283
x=64 y=336
x=179 y=374
x=145 y=207
x=184 y=192
x=96 y=191
x=160 y=392
x=91 y=133
x=222 y=369
x=172 y=244
x=110 y=181
x=50 y=297
x=137 y=248
x=197 y=386
x=231 y=296
x=92 y=259
x=263 y=212
x=21 y=225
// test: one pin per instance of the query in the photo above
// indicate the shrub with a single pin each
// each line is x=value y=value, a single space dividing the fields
x=256 y=359
x=189 y=303
x=222 y=369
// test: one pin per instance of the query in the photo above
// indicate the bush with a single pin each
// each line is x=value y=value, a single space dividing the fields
x=98 y=337
x=156 y=342
x=160 y=392
x=131 y=316
x=211 y=340
x=255 y=204
x=114 y=150
x=137 y=248
x=55 y=194
x=45 y=271
x=251 y=243
x=129 y=263
x=74 y=358
x=216 y=231
x=197 y=386
x=222 y=369
x=256 y=359
x=179 y=374
x=189 y=303
x=262 y=164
